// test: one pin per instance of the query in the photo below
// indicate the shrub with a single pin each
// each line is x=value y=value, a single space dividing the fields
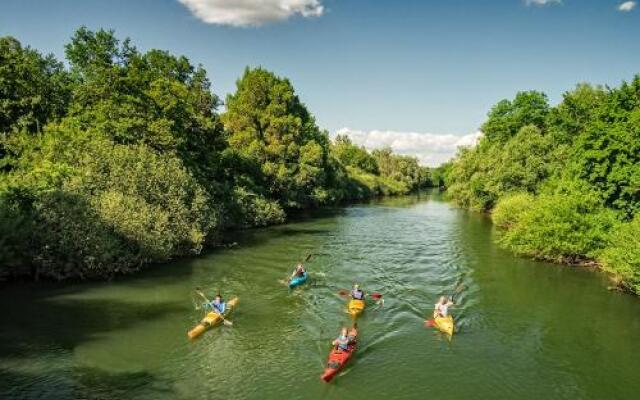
x=622 y=256
x=510 y=208
x=560 y=227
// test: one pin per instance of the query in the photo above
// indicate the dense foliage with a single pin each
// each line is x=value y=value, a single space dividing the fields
x=563 y=182
x=122 y=159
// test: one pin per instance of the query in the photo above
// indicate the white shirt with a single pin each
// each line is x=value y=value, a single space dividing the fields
x=443 y=309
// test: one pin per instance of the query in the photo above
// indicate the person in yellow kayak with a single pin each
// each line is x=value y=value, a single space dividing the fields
x=217 y=305
x=357 y=293
x=299 y=271
x=441 y=308
x=343 y=341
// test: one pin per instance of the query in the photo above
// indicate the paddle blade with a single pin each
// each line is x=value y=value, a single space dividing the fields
x=343 y=293
x=376 y=296
x=430 y=323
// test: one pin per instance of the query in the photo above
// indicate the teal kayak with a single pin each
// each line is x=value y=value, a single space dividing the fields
x=297 y=281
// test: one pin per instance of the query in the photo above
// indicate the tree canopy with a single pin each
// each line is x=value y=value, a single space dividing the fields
x=122 y=159
x=562 y=182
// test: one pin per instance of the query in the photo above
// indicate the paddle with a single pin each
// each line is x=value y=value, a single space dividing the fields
x=225 y=321
x=431 y=322
x=376 y=296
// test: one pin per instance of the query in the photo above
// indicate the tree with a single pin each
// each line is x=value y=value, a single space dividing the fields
x=34 y=90
x=507 y=117
x=155 y=99
x=607 y=152
x=269 y=125
x=356 y=156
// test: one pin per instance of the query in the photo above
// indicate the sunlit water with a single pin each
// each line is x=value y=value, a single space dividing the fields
x=527 y=330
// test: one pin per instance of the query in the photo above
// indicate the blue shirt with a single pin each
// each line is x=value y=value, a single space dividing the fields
x=217 y=307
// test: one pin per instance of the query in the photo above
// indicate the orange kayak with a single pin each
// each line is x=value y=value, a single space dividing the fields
x=338 y=358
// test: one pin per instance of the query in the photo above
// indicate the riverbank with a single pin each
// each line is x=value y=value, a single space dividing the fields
x=560 y=180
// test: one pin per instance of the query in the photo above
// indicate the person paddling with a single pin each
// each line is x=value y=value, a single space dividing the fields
x=343 y=341
x=299 y=271
x=357 y=293
x=218 y=305
x=441 y=308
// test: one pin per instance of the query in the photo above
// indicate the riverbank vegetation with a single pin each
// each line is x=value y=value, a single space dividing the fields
x=120 y=158
x=562 y=182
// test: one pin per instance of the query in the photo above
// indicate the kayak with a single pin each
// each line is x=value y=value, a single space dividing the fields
x=445 y=324
x=299 y=280
x=211 y=319
x=355 y=307
x=338 y=358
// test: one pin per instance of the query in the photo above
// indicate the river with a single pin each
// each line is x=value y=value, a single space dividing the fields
x=527 y=330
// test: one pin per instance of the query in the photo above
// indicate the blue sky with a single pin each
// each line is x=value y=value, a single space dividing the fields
x=419 y=75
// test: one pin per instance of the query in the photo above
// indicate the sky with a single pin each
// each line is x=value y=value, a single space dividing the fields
x=418 y=75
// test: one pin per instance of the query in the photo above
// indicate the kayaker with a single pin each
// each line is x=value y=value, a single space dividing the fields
x=343 y=341
x=299 y=271
x=441 y=308
x=357 y=293
x=218 y=305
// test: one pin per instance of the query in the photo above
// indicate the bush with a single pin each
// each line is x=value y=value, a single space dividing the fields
x=622 y=256
x=251 y=209
x=510 y=208
x=102 y=208
x=560 y=227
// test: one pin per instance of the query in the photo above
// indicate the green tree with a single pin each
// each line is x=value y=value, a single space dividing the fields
x=355 y=156
x=607 y=152
x=269 y=126
x=507 y=117
x=155 y=99
x=33 y=91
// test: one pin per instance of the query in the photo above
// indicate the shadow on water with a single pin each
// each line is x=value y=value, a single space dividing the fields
x=41 y=335
x=83 y=383
x=27 y=329
x=93 y=383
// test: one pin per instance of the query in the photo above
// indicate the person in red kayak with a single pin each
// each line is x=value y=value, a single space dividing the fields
x=343 y=341
x=441 y=308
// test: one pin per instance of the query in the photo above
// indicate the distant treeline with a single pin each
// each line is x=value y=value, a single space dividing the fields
x=121 y=159
x=563 y=182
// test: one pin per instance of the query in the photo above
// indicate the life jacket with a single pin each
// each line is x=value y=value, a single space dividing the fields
x=219 y=307
x=343 y=346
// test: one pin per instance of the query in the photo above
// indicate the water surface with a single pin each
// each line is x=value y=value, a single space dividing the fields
x=527 y=330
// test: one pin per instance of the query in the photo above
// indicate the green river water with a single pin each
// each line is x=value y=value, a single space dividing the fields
x=527 y=330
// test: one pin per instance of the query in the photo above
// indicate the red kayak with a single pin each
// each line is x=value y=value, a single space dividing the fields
x=338 y=358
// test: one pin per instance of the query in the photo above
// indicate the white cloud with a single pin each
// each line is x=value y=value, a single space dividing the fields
x=627 y=6
x=542 y=2
x=430 y=149
x=251 y=12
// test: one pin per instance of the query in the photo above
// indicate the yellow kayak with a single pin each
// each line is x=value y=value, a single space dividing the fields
x=355 y=307
x=445 y=324
x=211 y=319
